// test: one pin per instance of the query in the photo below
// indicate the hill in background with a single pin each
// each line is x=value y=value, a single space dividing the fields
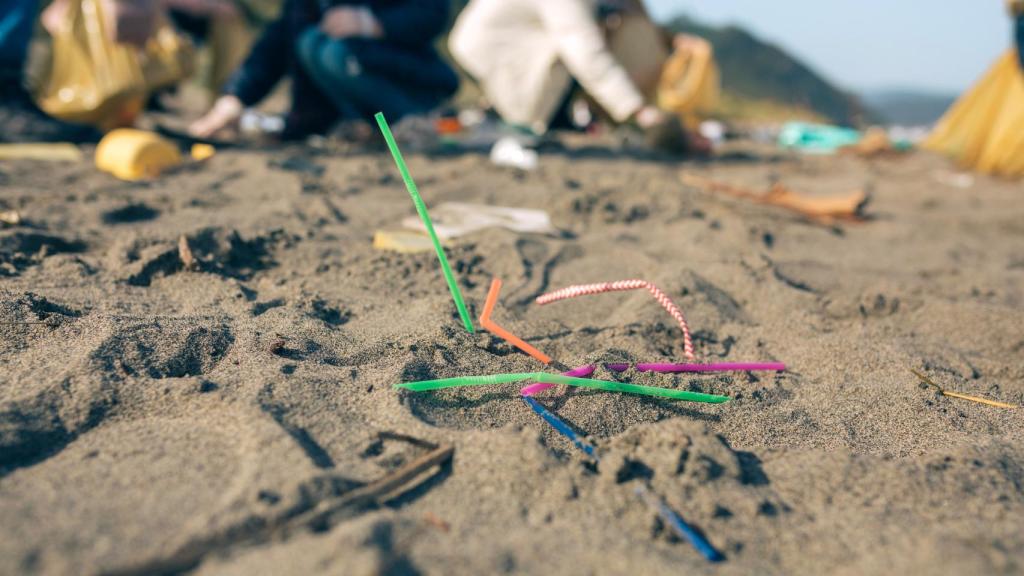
x=908 y=107
x=761 y=81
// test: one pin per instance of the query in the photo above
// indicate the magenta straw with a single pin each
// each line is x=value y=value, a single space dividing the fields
x=581 y=372
x=617 y=367
x=719 y=367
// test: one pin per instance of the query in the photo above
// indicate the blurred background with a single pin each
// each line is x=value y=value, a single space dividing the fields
x=892 y=62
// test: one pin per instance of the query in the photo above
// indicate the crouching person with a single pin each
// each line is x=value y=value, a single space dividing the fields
x=526 y=56
x=346 y=60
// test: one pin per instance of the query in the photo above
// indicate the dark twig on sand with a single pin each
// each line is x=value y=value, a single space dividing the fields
x=254 y=531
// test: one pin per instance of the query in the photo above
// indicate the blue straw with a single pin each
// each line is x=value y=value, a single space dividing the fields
x=561 y=426
x=674 y=520
x=680 y=526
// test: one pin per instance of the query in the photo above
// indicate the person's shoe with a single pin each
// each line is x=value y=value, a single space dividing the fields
x=22 y=121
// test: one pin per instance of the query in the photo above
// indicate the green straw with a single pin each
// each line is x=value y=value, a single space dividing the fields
x=567 y=380
x=410 y=185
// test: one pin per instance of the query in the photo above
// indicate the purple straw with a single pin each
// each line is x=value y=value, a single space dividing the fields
x=581 y=372
x=719 y=367
x=617 y=367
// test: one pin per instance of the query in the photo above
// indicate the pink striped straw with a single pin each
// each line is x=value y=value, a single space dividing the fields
x=581 y=372
x=666 y=303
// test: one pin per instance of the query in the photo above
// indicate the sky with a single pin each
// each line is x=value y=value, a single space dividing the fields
x=863 y=45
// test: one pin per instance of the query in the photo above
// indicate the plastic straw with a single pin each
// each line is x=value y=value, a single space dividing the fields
x=670 y=516
x=608 y=386
x=581 y=372
x=567 y=380
x=661 y=297
x=561 y=426
x=679 y=525
x=717 y=367
x=460 y=381
x=421 y=208
x=487 y=324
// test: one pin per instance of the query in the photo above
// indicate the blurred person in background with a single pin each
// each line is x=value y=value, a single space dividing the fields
x=1016 y=8
x=346 y=61
x=526 y=56
x=228 y=29
x=21 y=120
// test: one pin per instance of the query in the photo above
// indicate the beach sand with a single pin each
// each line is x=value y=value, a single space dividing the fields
x=155 y=419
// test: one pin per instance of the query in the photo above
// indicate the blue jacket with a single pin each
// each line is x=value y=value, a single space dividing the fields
x=405 y=56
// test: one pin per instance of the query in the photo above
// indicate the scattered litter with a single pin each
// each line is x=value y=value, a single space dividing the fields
x=945 y=392
x=679 y=525
x=585 y=371
x=421 y=208
x=716 y=367
x=875 y=143
x=51 y=152
x=581 y=372
x=10 y=217
x=848 y=208
x=433 y=520
x=544 y=377
x=454 y=219
x=258 y=125
x=188 y=261
x=201 y=151
x=817 y=138
x=665 y=301
x=487 y=324
x=402 y=241
x=131 y=154
x=510 y=152
x=961 y=180
x=714 y=131
x=684 y=530
x=561 y=426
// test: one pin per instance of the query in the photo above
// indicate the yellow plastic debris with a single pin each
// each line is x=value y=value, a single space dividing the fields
x=131 y=154
x=202 y=152
x=690 y=82
x=92 y=79
x=984 y=130
x=402 y=241
x=50 y=152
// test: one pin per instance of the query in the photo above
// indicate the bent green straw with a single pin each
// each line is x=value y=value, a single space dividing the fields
x=421 y=208
x=567 y=380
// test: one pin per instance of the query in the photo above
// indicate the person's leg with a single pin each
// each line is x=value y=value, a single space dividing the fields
x=333 y=66
x=311 y=111
x=17 y=19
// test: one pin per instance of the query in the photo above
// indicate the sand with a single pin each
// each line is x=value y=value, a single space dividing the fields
x=148 y=411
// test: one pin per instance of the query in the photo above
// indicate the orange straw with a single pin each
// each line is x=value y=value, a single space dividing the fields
x=487 y=324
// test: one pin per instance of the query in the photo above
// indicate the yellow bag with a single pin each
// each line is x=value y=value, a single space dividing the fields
x=984 y=130
x=92 y=80
x=168 y=57
x=690 y=84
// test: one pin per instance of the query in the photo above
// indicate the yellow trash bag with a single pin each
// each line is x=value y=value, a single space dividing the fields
x=690 y=81
x=684 y=80
x=984 y=130
x=168 y=57
x=92 y=79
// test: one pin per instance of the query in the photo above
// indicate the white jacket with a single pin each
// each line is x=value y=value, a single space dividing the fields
x=524 y=54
